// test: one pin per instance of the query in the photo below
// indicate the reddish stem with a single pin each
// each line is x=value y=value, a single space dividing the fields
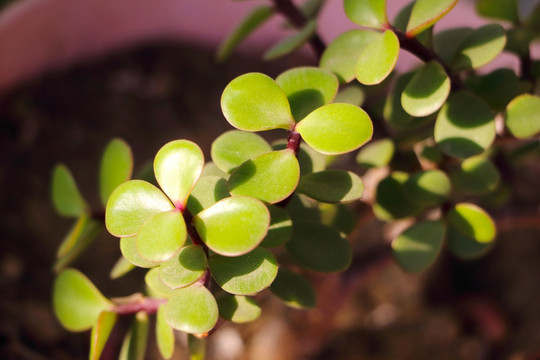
x=148 y=305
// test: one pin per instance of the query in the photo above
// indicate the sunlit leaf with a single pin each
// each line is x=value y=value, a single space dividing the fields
x=196 y=347
x=308 y=159
x=208 y=191
x=378 y=59
x=185 y=268
x=293 y=42
x=162 y=236
x=100 y=333
x=368 y=13
x=295 y=290
x=427 y=12
x=116 y=167
x=481 y=47
x=447 y=42
x=427 y=91
x=66 y=197
x=164 y=335
x=402 y=20
x=332 y=186
x=80 y=236
x=476 y=175
x=155 y=286
x=376 y=154
x=338 y=216
x=523 y=116
x=430 y=187
x=352 y=94
x=211 y=169
x=234 y=147
x=134 y=345
x=280 y=230
x=121 y=268
x=128 y=247
x=238 y=309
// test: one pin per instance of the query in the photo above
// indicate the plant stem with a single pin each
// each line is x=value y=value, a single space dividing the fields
x=192 y=232
x=293 y=141
x=135 y=303
x=525 y=66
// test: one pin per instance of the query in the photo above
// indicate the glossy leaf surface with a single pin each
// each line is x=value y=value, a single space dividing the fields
x=378 y=59
x=128 y=247
x=472 y=221
x=481 y=47
x=246 y=274
x=293 y=42
x=376 y=153
x=238 y=309
x=281 y=227
x=208 y=191
x=131 y=205
x=463 y=246
x=234 y=147
x=185 y=268
x=430 y=187
x=426 y=13
x=368 y=13
x=427 y=91
x=476 y=175
x=164 y=335
x=66 y=196
x=100 y=333
x=116 y=167
x=523 y=116
x=352 y=94
x=332 y=186
x=233 y=226
x=136 y=339
x=192 y=309
x=308 y=159
x=162 y=236
x=77 y=302
x=155 y=286
x=295 y=290
x=336 y=128
x=465 y=126
x=254 y=102
x=416 y=248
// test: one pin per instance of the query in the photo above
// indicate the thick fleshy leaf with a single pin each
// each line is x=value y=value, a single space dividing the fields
x=100 y=333
x=251 y=22
x=465 y=126
x=307 y=88
x=270 y=177
x=66 y=196
x=402 y=19
x=352 y=94
x=208 y=191
x=246 y=274
x=185 y=268
x=476 y=175
x=136 y=339
x=233 y=148
x=161 y=237
x=426 y=13
x=367 y=13
x=378 y=59
x=480 y=48
x=77 y=302
x=293 y=42
x=116 y=167
x=308 y=159
x=464 y=246
x=178 y=165
x=498 y=9
x=197 y=347
x=427 y=91
x=211 y=169
x=302 y=208
x=518 y=41
x=336 y=128
x=254 y=102
x=332 y=186
x=343 y=52
x=523 y=116
x=78 y=239
x=416 y=248
x=121 y=268
x=472 y=221
x=233 y=226
x=428 y=188
x=447 y=42
x=391 y=201
x=280 y=230
x=319 y=248
x=238 y=309
x=192 y=309
x=338 y=216
x=131 y=204
x=295 y=290
x=164 y=335
x=155 y=286
x=128 y=247
x=376 y=154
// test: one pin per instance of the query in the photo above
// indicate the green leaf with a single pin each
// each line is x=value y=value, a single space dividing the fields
x=178 y=165
x=319 y=248
x=134 y=345
x=164 y=335
x=128 y=247
x=336 y=128
x=391 y=201
x=197 y=347
x=238 y=309
x=367 y=13
x=251 y=22
x=518 y=41
x=280 y=230
x=498 y=9
x=343 y=52
x=311 y=8
x=426 y=13
x=233 y=148
x=402 y=19
x=162 y=236
x=116 y=167
x=79 y=236
x=465 y=247
x=446 y=43
x=211 y=169
x=121 y=268
x=332 y=186
x=82 y=242
x=295 y=290
x=233 y=226
x=185 y=268
x=376 y=154
x=246 y=274
x=378 y=59
x=307 y=88
x=270 y=177
x=465 y=126
x=77 y=302
x=100 y=333
x=208 y=191
x=523 y=116
x=293 y=42
x=254 y=102
x=302 y=208
x=352 y=94
x=480 y=48
x=427 y=91
x=308 y=159
x=131 y=205
x=428 y=188
x=66 y=197
x=192 y=309
x=476 y=175
x=416 y=248
x=155 y=286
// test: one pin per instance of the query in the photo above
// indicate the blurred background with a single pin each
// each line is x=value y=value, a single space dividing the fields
x=74 y=74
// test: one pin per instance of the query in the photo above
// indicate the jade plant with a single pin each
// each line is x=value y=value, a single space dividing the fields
x=257 y=216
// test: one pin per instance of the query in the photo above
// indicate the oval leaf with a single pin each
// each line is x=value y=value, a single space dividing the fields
x=131 y=205
x=476 y=175
x=523 y=116
x=100 y=333
x=426 y=13
x=376 y=154
x=336 y=128
x=77 y=302
x=463 y=246
x=378 y=59
x=185 y=268
x=246 y=274
x=121 y=268
x=208 y=191
x=178 y=165
x=270 y=177
x=332 y=186
x=66 y=197
x=192 y=309
x=128 y=247
x=234 y=147
x=295 y=290
x=480 y=48
x=499 y=9
x=280 y=230
x=254 y=102
x=293 y=42
x=116 y=167
x=368 y=13
x=391 y=201
x=238 y=309
x=233 y=226
x=473 y=222
x=164 y=335
x=155 y=286
x=428 y=188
